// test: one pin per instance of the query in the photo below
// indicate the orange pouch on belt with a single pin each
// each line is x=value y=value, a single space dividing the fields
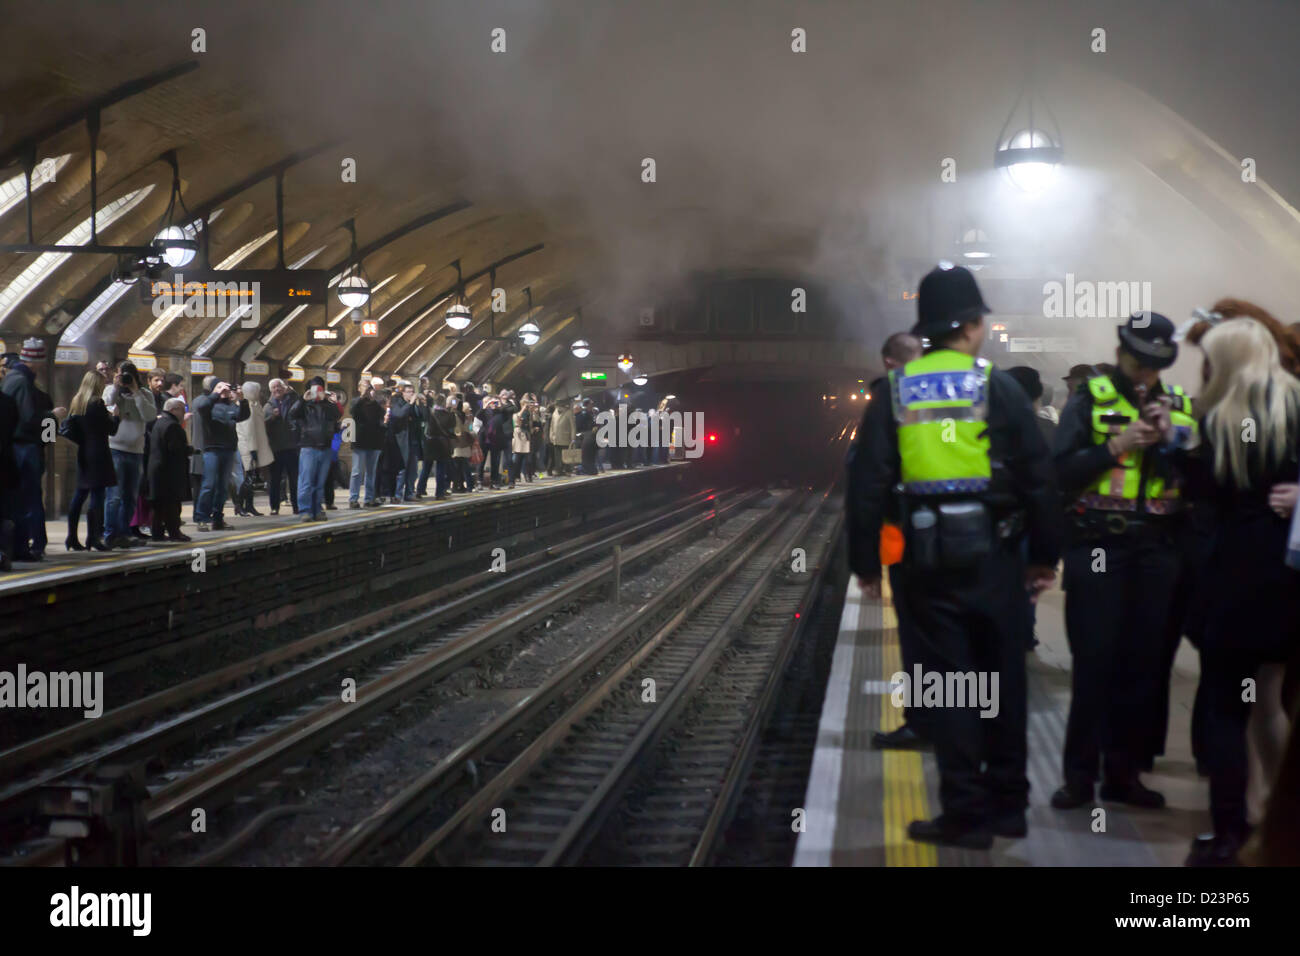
x=891 y=544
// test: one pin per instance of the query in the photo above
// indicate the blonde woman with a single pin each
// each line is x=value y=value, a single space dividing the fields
x=89 y=424
x=1247 y=610
x=520 y=441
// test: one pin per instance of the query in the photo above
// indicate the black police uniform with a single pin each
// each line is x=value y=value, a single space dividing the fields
x=967 y=619
x=1117 y=619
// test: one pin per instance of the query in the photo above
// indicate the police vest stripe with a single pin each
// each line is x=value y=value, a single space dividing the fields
x=940 y=405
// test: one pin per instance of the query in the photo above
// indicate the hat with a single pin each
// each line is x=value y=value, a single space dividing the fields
x=1149 y=338
x=947 y=298
x=316 y=380
x=1029 y=380
x=33 y=350
x=1080 y=372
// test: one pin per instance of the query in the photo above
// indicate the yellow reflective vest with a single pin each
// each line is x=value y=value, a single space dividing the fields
x=1118 y=488
x=940 y=404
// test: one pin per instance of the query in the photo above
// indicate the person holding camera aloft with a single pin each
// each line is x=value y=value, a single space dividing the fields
x=317 y=419
x=219 y=411
x=127 y=398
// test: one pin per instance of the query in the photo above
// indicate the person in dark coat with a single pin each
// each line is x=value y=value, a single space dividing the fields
x=8 y=474
x=439 y=434
x=282 y=433
x=37 y=418
x=168 y=470
x=1245 y=598
x=89 y=424
x=405 y=425
x=220 y=411
x=198 y=439
x=317 y=419
x=367 y=442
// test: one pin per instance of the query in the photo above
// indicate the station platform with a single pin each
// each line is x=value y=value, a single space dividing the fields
x=62 y=565
x=281 y=576
x=860 y=800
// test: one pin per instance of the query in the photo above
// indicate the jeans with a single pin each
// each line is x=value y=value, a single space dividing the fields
x=518 y=467
x=407 y=476
x=494 y=465
x=313 y=471
x=365 y=462
x=26 y=507
x=422 y=485
x=93 y=514
x=442 y=478
x=284 y=465
x=212 y=496
x=121 y=497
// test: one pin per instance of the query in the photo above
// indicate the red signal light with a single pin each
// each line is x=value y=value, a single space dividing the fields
x=713 y=436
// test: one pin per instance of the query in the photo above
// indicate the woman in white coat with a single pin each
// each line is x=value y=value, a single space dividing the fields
x=254 y=451
x=521 y=441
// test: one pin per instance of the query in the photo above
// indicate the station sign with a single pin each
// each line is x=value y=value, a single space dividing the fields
x=324 y=335
x=240 y=286
x=144 y=361
x=297 y=374
x=594 y=376
x=332 y=377
x=1057 y=344
x=370 y=328
x=71 y=355
x=200 y=366
x=257 y=368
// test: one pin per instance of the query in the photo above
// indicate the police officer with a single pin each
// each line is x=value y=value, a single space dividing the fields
x=956 y=440
x=899 y=349
x=1118 y=456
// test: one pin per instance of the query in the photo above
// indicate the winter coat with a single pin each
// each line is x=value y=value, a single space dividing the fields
x=219 y=420
x=519 y=441
x=8 y=425
x=316 y=422
x=34 y=406
x=91 y=430
x=405 y=426
x=280 y=429
x=136 y=408
x=439 y=434
x=463 y=442
x=562 y=427
x=168 y=452
x=198 y=438
x=368 y=415
x=253 y=439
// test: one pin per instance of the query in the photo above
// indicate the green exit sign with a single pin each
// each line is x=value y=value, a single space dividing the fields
x=594 y=376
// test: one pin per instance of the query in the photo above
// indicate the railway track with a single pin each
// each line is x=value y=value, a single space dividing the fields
x=537 y=586
x=569 y=751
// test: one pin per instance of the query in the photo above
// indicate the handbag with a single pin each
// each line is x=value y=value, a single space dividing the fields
x=571 y=456
x=476 y=454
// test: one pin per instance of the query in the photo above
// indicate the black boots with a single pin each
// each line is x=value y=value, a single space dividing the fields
x=945 y=831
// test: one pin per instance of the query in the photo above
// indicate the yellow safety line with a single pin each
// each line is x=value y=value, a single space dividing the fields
x=902 y=772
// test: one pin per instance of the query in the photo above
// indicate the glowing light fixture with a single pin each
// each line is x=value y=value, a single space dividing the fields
x=580 y=348
x=1029 y=158
x=176 y=245
x=640 y=379
x=458 y=316
x=625 y=362
x=354 y=288
x=529 y=333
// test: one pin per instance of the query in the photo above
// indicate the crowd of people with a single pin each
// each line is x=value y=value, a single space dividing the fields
x=143 y=448
x=1173 y=519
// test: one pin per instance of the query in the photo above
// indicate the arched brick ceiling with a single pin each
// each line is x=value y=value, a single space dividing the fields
x=768 y=162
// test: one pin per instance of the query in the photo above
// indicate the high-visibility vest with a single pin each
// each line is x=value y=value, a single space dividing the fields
x=941 y=407
x=1117 y=488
